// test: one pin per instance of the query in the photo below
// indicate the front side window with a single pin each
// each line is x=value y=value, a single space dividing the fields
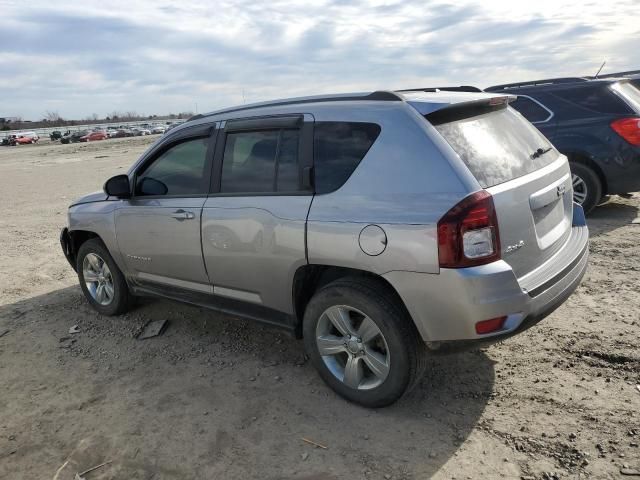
x=530 y=110
x=261 y=161
x=180 y=170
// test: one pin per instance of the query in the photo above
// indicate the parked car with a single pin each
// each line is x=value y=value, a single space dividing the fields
x=9 y=141
x=158 y=129
x=24 y=138
x=93 y=136
x=595 y=123
x=55 y=135
x=123 y=133
x=73 y=137
x=378 y=227
x=139 y=131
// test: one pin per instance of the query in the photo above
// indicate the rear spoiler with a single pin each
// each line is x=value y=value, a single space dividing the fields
x=428 y=104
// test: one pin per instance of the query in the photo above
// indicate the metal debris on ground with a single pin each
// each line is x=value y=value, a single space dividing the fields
x=311 y=442
x=3 y=333
x=631 y=472
x=80 y=476
x=153 y=328
x=74 y=329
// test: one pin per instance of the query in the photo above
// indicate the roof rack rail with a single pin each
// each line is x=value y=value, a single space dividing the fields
x=378 y=95
x=535 y=83
x=461 y=88
x=617 y=74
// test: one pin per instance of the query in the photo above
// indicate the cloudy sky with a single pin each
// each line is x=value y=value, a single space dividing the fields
x=154 y=57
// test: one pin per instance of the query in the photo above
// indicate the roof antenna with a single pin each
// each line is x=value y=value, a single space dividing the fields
x=600 y=69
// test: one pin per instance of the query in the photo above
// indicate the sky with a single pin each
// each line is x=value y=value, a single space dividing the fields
x=156 y=57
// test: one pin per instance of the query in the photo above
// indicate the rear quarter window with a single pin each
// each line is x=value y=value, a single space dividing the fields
x=338 y=149
x=497 y=146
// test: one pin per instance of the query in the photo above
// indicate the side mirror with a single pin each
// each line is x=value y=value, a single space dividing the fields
x=118 y=186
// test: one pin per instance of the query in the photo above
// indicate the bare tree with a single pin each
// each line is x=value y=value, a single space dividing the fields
x=52 y=116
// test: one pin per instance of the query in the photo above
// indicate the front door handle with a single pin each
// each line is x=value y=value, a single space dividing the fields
x=183 y=215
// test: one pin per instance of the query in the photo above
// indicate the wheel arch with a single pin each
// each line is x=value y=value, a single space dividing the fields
x=585 y=159
x=72 y=240
x=309 y=278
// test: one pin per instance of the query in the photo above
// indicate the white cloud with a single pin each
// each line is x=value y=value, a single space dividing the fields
x=85 y=57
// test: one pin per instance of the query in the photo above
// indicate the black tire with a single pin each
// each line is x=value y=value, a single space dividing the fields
x=122 y=299
x=406 y=350
x=590 y=182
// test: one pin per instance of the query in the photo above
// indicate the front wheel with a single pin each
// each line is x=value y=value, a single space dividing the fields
x=362 y=343
x=587 y=188
x=102 y=282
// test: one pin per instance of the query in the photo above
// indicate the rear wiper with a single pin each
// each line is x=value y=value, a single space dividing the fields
x=539 y=152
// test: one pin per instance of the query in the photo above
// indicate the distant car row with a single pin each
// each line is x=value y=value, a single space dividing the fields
x=25 y=138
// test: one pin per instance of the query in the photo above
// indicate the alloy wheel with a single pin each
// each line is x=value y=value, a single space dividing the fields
x=352 y=347
x=580 y=190
x=98 y=279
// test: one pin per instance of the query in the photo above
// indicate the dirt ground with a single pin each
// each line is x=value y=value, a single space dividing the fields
x=217 y=397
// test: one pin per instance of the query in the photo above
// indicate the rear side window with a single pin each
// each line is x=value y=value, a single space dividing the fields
x=530 y=110
x=338 y=149
x=261 y=161
x=597 y=98
x=497 y=146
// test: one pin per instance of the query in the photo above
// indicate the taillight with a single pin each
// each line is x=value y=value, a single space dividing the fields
x=629 y=129
x=468 y=233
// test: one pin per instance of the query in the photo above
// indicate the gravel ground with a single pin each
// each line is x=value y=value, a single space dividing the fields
x=216 y=397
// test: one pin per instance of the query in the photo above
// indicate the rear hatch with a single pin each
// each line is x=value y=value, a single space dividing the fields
x=528 y=178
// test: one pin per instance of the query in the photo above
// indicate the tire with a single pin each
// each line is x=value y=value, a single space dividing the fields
x=116 y=300
x=397 y=346
x=586 y=185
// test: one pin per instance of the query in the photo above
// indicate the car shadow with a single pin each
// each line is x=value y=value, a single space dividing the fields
x=211 y=396
x=615 y=213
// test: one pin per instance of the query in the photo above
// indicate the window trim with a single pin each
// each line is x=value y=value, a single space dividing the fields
x=209 y=133
x=301 y=122
x=551 y=114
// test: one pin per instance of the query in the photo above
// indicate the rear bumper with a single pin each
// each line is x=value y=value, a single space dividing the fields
x=446 y=307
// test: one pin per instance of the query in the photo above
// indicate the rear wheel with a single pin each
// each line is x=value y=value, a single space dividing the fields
x=102 y=282
x=587 y=188
x=362 y=343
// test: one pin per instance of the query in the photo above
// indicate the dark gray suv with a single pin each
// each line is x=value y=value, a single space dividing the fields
x=377 y=226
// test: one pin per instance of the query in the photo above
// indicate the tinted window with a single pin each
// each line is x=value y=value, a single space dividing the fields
x=338 y=149
x=178 y=171
x=597 y=98
x=497 y=146
x=261 y=161
x=530 y=110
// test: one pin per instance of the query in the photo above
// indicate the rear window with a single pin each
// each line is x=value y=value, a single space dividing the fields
x=630 y=93
x=497 y=146
x=338 y=149
x=597 y=98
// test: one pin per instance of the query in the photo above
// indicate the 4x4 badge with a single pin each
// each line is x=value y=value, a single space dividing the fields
x=513 y=248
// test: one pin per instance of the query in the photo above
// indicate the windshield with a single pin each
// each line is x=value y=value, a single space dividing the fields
x=630 y=93
x=497 y=146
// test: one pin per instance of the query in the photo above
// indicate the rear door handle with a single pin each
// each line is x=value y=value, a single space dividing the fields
x=183 y=215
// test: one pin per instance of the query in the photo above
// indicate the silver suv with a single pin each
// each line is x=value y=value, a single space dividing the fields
x=379 y=227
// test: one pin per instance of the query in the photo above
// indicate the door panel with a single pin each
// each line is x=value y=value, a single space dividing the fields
x=253 y=245
x=160 y=240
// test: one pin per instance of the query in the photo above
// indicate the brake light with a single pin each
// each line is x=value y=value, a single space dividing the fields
x=629 y=129
x=468 y=233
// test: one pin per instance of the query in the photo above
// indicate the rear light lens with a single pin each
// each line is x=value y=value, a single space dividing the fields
x=491 y=325
x=629 y=129
x=468 y=233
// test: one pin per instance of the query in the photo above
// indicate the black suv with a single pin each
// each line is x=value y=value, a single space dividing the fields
x=594 y=122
